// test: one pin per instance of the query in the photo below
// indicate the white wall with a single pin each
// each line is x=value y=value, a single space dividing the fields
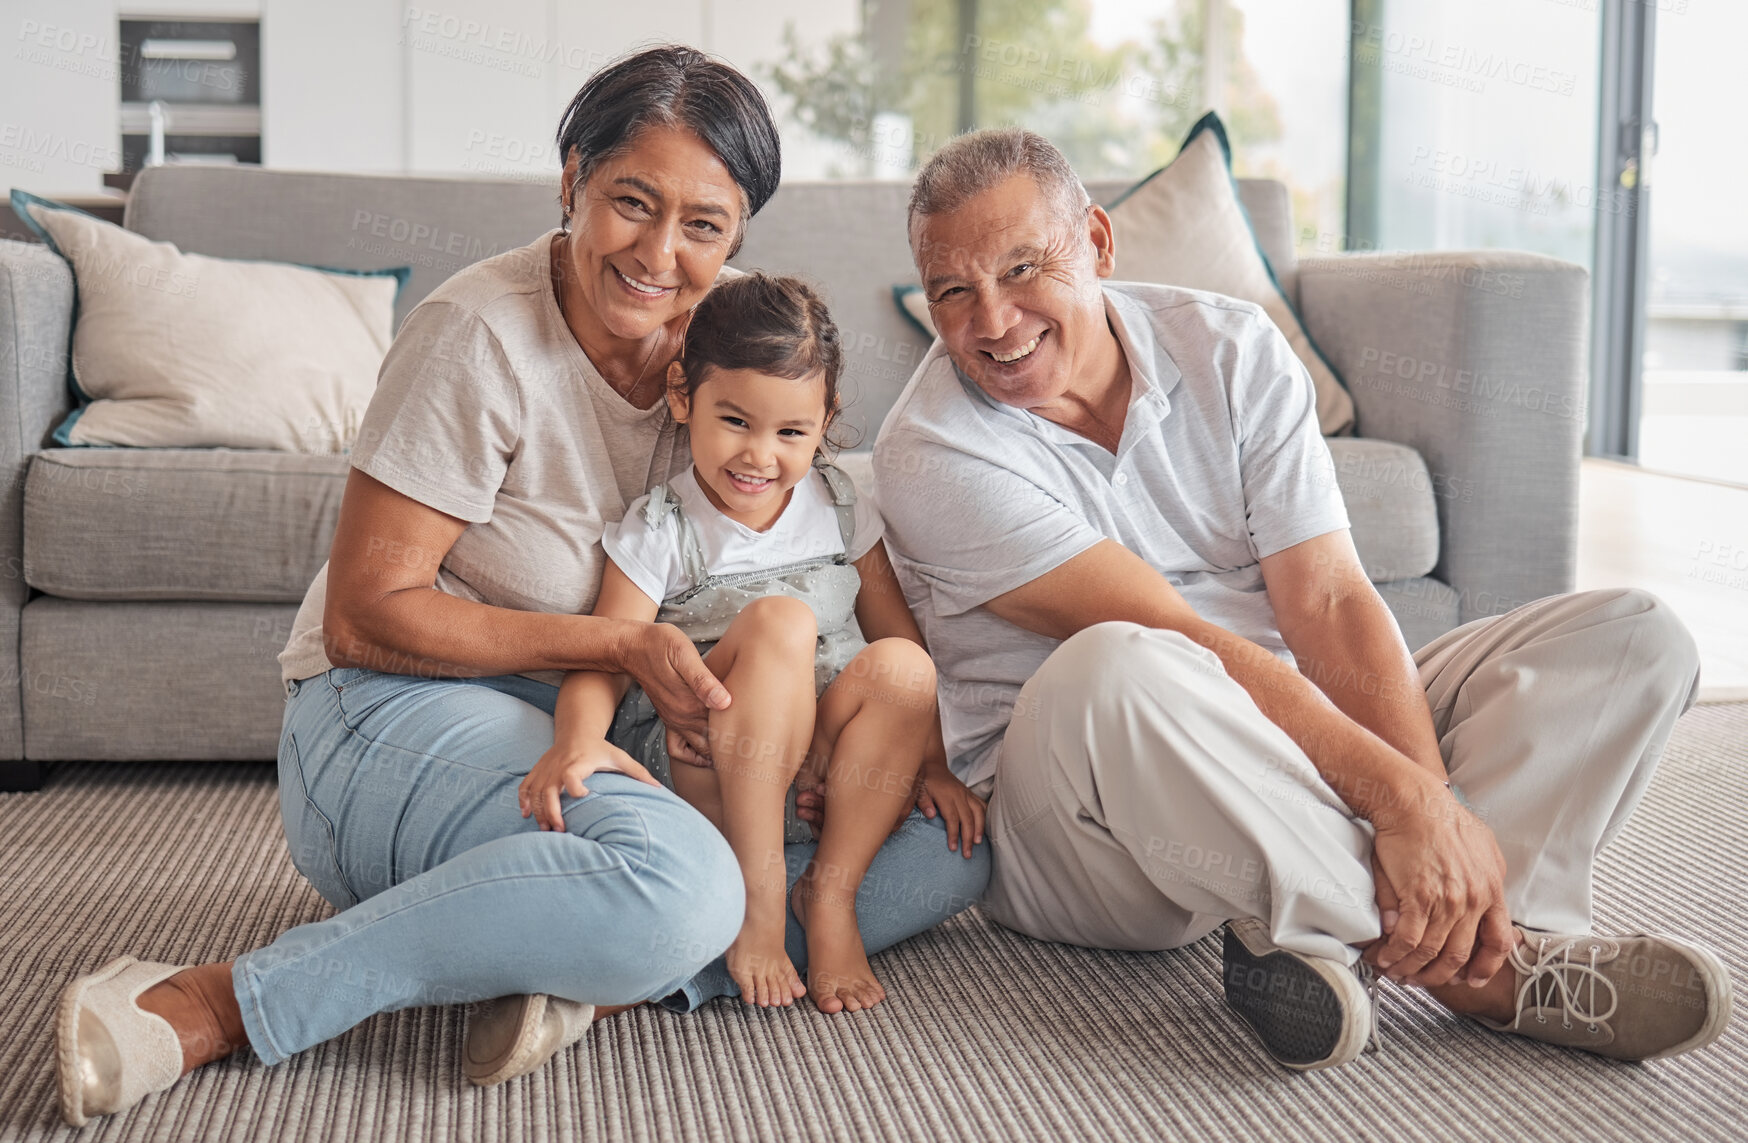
x=59 y=94
x=332 y=85
x=423 y=86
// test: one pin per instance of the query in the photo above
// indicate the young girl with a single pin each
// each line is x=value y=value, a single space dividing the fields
x=763 y=555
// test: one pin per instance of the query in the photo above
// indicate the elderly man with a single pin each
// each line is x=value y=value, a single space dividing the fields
x=1111 y=507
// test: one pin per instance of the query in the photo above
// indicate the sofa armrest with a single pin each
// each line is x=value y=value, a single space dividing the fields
x=1476 y=361
x=36 y=320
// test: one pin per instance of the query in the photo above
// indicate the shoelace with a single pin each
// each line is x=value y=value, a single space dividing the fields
x=1369 y=977
x=1555 y=975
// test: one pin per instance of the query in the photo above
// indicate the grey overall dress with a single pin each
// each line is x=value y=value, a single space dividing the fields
x=827 y=584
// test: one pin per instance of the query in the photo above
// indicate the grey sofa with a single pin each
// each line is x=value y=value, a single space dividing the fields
x=144 y=594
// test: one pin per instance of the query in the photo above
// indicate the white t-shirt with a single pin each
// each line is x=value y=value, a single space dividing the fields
x=488 y=410
x=1220 y=464
x=808 y=529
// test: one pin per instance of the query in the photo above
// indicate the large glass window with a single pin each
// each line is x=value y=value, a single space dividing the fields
x=1695 y=405
x=1115 y=83
x=1475 y=126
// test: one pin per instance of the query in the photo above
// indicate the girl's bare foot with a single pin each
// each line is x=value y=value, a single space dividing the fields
x=761 y=966
x=200 y=1004
x=838 y=975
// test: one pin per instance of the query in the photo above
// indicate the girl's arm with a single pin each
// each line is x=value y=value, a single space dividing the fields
x=881 y=611
x=587 y=699
x=582 y=716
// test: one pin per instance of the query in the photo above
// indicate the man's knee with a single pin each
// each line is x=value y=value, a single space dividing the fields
x=1660 y=643
x=1111 y=661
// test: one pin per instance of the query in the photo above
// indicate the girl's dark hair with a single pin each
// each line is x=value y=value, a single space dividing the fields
x=775 y=325
x=676 y=86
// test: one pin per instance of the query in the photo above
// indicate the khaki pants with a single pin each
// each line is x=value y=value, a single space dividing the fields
x=1142 y=799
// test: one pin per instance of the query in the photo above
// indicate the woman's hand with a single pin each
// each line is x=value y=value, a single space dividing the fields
x=680 y=687
x=564 y=767
x=940 y=792
x=1440 y=882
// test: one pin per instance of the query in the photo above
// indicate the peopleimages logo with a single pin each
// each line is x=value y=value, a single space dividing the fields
x=34 y=147
x=1485 y=388
x=1457 y=64
x=494 y=45
x=1521 y=187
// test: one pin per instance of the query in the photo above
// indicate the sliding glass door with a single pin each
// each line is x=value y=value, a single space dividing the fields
x=1693 y=413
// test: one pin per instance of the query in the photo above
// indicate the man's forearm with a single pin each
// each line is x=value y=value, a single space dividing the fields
x=1376 y=780
x=1359 y=661
x=1108 y=583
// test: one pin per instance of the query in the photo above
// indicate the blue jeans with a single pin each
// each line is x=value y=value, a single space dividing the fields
x=399 y=801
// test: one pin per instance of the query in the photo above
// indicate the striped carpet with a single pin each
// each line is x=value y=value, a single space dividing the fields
x=988 y=1035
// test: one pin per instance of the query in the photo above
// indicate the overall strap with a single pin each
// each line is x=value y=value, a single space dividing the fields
x=664 y=501
x=843 y=492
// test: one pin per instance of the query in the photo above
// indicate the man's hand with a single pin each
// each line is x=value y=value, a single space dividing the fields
x=940 y=792
x=1440 y=881
x=680 y=687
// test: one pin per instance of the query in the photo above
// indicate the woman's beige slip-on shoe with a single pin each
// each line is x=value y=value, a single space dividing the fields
x=111 y=1052
x=513 y=1035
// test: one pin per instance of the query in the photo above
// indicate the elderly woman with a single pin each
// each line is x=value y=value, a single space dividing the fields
x=518 y=412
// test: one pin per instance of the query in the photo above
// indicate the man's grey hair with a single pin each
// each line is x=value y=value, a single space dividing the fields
x=975 y=162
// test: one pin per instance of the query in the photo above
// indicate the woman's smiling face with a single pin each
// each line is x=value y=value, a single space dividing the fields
x=650 y=229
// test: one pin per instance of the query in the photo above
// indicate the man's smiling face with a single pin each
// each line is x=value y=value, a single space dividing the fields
x=1012 y=279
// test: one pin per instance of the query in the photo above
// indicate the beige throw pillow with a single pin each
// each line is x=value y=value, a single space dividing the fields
x=1184 y=226
x=182 y=350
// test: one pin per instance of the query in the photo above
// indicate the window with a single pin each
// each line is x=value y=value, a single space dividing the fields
x=1475 y=126
x=1694 y=411
x=1116 y=84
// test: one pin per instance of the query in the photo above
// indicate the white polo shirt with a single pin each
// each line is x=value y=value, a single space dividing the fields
x=1220 y=464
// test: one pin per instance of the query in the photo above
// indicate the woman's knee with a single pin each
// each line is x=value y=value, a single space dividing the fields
x=693 y=877
x=916 y=882
x=705 y=901
x=961 y=879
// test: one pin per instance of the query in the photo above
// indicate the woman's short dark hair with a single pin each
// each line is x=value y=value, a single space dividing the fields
x=772 y=324
x=676 y=86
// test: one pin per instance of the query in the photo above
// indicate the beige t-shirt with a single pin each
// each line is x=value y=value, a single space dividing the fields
x=487 y=409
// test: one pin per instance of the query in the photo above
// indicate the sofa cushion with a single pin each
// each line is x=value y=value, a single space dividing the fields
x=1391 y=506
x=1424 y=608
x=193 y=524
x=152 y=681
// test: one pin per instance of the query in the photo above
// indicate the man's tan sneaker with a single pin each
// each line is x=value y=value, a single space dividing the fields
x=1639 y=997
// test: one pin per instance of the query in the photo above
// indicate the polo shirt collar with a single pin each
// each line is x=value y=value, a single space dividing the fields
x=1155 y=373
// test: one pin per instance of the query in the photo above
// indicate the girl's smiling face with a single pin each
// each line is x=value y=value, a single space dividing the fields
x=753 y=437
